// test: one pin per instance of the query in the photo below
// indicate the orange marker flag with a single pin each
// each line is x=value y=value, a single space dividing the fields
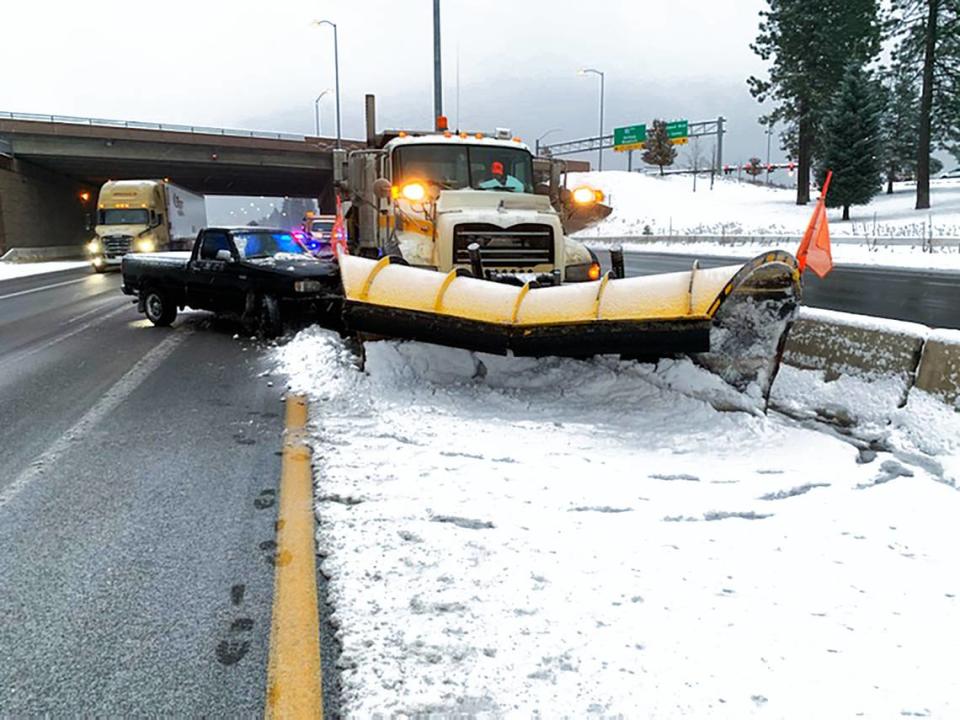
x=814 y=249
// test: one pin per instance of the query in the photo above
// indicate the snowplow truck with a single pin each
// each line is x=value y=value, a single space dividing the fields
x=453 y=241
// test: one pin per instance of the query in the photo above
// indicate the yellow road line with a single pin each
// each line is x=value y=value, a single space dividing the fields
x=294 y=688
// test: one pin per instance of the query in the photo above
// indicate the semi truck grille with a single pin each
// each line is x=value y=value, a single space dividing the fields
x=114 y=245
x=518 y=246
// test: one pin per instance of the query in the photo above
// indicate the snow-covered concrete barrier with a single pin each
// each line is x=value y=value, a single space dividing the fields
x=848 y=369
x=939 y=371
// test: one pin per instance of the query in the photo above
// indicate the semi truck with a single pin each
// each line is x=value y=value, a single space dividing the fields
x=137 y=216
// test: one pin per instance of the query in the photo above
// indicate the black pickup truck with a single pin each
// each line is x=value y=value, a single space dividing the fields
x=264 y=276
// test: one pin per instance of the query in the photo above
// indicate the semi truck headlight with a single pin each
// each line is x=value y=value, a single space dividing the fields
x=587 y=195
x=583 y=273
x=146 y=246
x=307 y=286
x=93 y=247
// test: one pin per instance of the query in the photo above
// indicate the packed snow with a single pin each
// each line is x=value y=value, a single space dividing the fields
x=9 y=270
x=519 y=537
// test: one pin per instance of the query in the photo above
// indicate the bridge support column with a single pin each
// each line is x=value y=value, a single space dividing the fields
x=40 y=208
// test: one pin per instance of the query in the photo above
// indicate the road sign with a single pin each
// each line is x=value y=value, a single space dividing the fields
x=634 y=137
x=631 y=137
x=678 y=131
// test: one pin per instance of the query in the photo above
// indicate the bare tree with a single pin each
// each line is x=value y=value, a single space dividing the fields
x=696 y=158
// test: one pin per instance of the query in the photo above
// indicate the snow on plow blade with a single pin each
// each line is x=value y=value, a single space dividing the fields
x=732 y=319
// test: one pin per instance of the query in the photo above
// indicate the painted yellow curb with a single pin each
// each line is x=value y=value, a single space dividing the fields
x=294 y=687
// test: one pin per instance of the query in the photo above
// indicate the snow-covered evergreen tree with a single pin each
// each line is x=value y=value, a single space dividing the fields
x=808 y=44
x=851 y=141
x=659 y=150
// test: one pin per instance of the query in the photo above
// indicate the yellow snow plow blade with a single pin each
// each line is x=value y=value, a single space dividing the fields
x=648 y=316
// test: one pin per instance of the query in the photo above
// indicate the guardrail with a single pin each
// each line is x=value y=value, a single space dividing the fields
x=733 y=241
x=138 y=125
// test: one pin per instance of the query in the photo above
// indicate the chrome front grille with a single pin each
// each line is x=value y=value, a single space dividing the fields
x=114 y=245
x=518 y=246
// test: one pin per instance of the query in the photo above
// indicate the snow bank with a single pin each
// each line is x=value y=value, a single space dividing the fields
x=652 y=205
x=14 y=270
x=511 y=537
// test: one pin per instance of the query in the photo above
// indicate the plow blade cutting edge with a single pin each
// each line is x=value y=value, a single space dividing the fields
x=732 y=320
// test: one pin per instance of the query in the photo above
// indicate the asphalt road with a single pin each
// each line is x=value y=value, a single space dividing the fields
x=923 y=296
x=138 y=474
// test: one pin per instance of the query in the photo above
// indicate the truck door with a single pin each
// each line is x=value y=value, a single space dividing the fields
x=211 y=281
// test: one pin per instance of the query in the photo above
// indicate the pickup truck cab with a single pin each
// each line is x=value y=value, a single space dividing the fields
x=262 y=275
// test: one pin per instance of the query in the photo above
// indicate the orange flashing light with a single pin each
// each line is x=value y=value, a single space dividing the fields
x=447 y=133
x=84 y=196
x=463 y=136
x=594 y=272
x=479 y=136
x=402 y=133
x=517 y=139
x=442 y=122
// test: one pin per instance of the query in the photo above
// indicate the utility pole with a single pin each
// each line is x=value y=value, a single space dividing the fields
x=593 y=71
x=336 y=70
x=437 y=76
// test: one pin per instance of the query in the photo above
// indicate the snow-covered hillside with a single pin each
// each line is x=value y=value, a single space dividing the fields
x=649 y=204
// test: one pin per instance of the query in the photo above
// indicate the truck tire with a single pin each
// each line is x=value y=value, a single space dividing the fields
x=269 y=323
x=101 y=268
x=159 y=308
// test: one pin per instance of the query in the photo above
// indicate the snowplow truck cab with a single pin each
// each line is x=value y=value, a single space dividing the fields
x=429 y=197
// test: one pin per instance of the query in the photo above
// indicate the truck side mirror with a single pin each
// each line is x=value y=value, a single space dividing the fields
x=224 y=255
x=381 y=188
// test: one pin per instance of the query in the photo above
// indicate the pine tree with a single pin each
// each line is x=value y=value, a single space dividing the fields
x=753 y=167
x=929 y=31
x=900 y=123
x=659 y=150
x=851 y=141
x=809 y=43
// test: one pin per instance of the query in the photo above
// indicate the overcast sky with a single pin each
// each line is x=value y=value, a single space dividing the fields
x=260 y=65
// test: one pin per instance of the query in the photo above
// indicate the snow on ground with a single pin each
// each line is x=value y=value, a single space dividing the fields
x=517 y=537
x=668 y=206
x=10 y=270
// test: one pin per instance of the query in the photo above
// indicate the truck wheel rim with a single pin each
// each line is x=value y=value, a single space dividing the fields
x=154 y=306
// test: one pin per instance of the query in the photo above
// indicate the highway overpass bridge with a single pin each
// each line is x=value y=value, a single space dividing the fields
x=51 y=168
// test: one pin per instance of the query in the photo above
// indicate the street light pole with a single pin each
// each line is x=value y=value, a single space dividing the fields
x=316 y=109
x=437 y=76
x=336 y=70
x=769 y=133
x=600 y=138
x=537 y=142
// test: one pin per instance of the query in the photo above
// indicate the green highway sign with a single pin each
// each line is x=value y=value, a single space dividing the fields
x=634 y=137
x=631 y=137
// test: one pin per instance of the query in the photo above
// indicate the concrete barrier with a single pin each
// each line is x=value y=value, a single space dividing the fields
x=939 y=371
x=841 y=343
x=39 y=254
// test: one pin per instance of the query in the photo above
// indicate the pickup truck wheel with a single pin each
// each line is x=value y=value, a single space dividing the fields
x=159 y=309
x=269 y=323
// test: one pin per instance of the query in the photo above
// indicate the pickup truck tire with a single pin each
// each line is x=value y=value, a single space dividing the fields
x=269 y=323
x=159 y=308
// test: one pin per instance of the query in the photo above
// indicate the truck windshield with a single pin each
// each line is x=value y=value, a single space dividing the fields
x=264 y=244
x=124 y=216
x=453 y=167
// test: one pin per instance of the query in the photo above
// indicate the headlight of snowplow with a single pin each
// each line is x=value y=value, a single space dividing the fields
x=584 y=195
x=412 y=191
x=146 y=245
x=93 y=247
x=582 y=273
x=308 y=286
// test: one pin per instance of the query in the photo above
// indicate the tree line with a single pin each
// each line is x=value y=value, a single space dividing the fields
x=866 y=89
